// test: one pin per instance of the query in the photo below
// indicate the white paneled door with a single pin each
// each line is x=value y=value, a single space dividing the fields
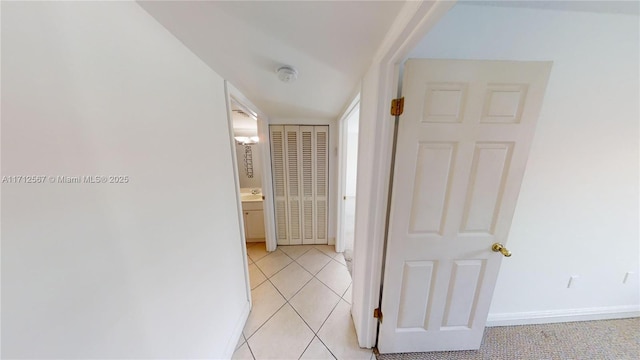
x=300 y=175
x=462 y=147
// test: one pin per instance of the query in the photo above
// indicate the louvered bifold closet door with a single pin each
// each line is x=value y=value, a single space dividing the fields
x=279 y=182
x=308 y=176
x=320 y=182
x=300 y=166
x=293 y=171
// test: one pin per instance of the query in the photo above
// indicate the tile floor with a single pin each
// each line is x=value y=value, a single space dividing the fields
x=301 y=305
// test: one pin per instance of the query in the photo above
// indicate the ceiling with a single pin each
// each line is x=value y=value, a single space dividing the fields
x=330 y=43
x=628 y=7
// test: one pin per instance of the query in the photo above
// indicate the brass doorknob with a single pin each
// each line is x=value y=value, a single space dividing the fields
x=497 y=247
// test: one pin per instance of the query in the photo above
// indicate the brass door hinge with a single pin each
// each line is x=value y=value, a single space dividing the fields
x=397 y=106
x=377 y=313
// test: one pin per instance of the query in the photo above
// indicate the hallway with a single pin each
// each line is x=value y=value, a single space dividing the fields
x=301 y=305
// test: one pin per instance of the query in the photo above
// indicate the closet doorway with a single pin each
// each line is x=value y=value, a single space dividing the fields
x=300 y=170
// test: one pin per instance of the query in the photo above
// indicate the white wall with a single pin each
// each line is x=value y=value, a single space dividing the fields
x=256 y=180
x=577 y=213
x=148 y=269
x=333 y=164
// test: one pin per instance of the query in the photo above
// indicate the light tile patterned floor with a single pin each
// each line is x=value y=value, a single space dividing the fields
x=301 y=306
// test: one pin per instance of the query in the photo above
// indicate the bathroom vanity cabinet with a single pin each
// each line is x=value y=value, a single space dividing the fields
x=253 y=221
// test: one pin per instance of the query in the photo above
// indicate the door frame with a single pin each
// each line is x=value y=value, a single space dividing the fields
x=342 y=171
x=380 y=85
x=265 y=151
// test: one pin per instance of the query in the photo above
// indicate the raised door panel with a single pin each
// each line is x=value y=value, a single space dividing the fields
x=486 y=184
x=417 y=280
x=462 y=294
x=434 y=167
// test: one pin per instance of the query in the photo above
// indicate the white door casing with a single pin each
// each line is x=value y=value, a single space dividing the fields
x=462 y=147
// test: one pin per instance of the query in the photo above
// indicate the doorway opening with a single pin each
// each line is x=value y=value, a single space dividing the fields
x=250 y=171
x=301 y=291
x=308 y=284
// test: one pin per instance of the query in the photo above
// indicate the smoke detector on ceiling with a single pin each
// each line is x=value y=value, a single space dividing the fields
x=287 y=74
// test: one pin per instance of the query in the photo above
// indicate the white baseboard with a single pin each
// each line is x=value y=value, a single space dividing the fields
x=237 y=331
x=556 y=316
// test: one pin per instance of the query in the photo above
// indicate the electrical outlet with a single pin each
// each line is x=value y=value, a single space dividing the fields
x=573 y=281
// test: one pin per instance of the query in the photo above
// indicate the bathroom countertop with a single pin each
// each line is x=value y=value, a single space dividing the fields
x=251 y=195
x=251 y=198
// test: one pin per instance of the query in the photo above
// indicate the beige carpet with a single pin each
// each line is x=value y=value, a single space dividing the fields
x=607 y=339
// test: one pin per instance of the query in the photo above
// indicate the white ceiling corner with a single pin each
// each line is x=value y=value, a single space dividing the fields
x=331 y=43
x=627 y=7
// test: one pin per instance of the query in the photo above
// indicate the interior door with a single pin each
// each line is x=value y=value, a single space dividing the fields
x=308 y=174
x=300 y=167
x=462 y=147
x=293 y=162
x=277 y=137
